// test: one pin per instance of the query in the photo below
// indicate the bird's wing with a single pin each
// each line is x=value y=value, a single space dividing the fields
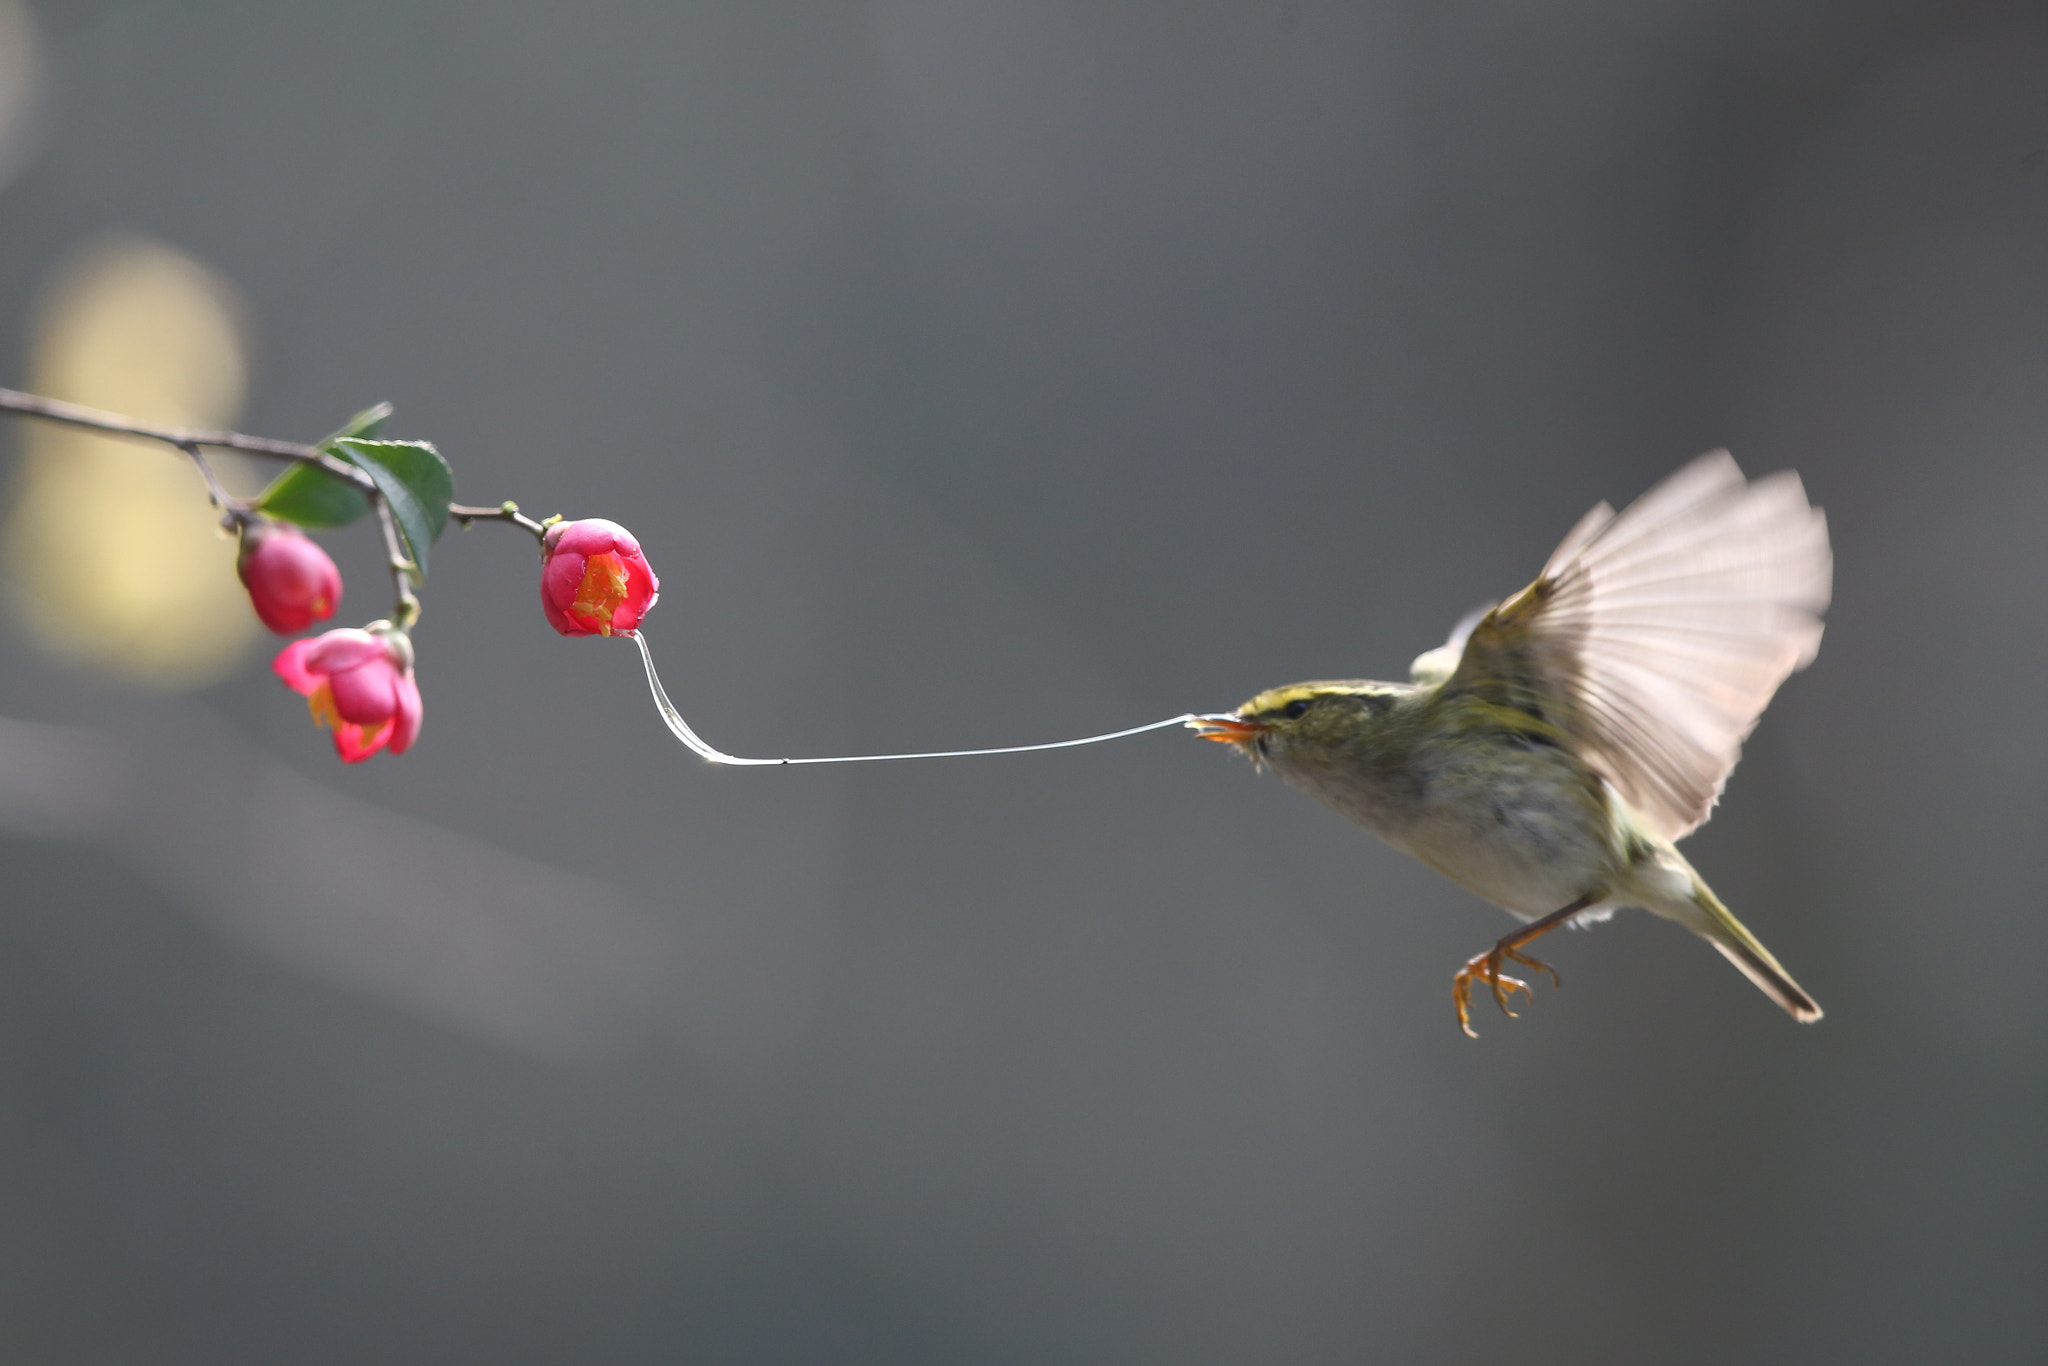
x=1655 y=638
x=1432 y=667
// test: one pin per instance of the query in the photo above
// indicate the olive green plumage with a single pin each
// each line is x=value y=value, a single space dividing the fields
x=1550 y=755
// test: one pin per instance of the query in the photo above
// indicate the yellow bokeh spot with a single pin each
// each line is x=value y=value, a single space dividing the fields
x=113 y=557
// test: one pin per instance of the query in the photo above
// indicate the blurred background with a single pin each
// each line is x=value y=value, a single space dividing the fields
x=985 y=372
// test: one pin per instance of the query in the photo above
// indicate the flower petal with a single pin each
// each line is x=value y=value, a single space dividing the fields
x=292 y=582
x=367 y=694
x=411 y=709
x=591 y=536
x=290 y=665
x=594 y=578
x=357 y=743
x=642 y=591
x=345 y=648
x=560 y=577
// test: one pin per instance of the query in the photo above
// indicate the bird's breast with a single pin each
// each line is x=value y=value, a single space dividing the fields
x=1527 y=826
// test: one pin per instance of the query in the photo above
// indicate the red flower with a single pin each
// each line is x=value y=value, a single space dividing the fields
x=359 y=684
x=593 y=579
x=290 y=580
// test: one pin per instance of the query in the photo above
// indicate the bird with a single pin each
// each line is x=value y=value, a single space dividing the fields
x=1550 y=755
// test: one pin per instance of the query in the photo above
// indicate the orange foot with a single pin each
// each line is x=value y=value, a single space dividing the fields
x=1486 y=967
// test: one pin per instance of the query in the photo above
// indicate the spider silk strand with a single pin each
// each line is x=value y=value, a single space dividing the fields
x=696 y=744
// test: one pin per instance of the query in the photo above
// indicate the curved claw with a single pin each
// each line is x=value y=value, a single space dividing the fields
x=1526 y=961
x=1487 y=967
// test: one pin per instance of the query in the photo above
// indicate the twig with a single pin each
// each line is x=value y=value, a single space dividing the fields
x=406 y=610
x=234 y=511
x=184 y=438
x=507 y=511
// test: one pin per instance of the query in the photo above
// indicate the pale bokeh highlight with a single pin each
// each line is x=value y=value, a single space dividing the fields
x=113 y=558
x=22 y=85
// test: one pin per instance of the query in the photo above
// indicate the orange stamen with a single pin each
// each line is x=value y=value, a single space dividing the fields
x=601 y=592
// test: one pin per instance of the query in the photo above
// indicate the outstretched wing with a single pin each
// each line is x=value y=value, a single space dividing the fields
x=1432 y=667
x=1655 y=638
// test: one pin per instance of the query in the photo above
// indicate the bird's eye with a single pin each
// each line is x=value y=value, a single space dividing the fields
x=1296 y=709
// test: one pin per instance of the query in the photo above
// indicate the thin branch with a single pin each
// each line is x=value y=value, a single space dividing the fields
x=404 y=572
x=507 y=511
x=406 y=609
x=234 y=511
x=184 y=438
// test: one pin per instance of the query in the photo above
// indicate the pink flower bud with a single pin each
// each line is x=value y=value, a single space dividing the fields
x=593 y=579
x=359 y=684
x=290 y=579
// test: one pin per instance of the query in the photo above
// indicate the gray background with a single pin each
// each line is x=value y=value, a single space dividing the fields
x=984 y=372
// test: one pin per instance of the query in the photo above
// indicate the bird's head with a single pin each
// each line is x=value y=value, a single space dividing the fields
x=1302 y=720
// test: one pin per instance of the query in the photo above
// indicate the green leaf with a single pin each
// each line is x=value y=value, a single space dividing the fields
x=366 y=425
x=414 y=480
x=309 y=496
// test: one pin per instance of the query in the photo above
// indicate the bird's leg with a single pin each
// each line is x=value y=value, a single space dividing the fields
x=1487 y=966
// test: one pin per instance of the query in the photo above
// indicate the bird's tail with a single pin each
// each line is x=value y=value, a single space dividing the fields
x=1708 y=918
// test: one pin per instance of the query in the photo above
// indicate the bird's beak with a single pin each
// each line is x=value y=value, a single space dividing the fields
x=1226 y=727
